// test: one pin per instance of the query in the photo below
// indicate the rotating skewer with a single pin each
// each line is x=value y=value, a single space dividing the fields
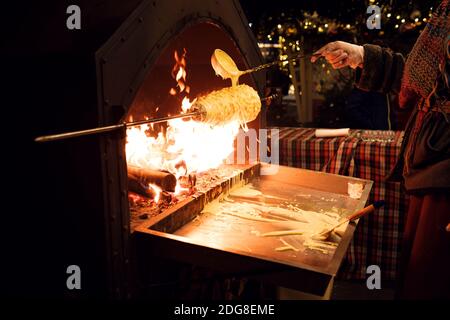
x=124 y=125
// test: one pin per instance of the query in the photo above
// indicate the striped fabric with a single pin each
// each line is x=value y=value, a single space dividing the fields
x=368 y=156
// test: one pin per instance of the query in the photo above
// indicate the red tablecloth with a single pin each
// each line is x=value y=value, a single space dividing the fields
x=367 y=155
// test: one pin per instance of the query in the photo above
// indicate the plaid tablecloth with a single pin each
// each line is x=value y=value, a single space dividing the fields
x=367 y=155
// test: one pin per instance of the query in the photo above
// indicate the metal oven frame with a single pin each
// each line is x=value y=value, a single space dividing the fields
x=122 y=64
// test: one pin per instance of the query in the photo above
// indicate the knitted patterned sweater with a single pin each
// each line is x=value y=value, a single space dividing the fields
x=423 y=82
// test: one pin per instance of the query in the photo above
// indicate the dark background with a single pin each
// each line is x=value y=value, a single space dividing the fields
x=49 y=85
x=48 y=74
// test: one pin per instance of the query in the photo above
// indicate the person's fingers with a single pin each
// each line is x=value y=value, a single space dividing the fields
x=333 y=46
x=341 y=63
x=339 y=58
x=331 y=56
x=316 y=55
x=324 y=51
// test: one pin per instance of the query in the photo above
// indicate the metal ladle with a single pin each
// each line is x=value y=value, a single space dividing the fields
x=224 y=65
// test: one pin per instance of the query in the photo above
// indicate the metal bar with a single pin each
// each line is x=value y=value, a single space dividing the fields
x=274 y=63
x=86 y=132
x=163 y=119
x=80 y=133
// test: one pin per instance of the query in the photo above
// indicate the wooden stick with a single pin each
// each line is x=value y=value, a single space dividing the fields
x=282 y=233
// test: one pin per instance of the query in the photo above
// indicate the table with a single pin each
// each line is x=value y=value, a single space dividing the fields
x=365 y=154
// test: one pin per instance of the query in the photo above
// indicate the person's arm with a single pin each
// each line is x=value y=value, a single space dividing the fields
x=377 y=69
x=382 y=70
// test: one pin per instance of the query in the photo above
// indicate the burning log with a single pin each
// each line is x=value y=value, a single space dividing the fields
x=136 y=186
x=165 y=180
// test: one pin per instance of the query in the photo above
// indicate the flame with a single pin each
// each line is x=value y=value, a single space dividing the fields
x=186 y=146
x=199 y=145
x=186 y=104
x=179 y=189
x=157 y=190
x=179 y=73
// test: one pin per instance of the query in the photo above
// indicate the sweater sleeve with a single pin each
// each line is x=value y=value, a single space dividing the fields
x=382 y=70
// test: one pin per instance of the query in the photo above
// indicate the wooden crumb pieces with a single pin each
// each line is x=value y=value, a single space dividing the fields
x=321 y=246
x=282 y=233
x=287 y=246
x=281 y=249
x=249 y=216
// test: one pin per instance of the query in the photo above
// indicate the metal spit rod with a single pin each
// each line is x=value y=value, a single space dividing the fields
x=123 y=125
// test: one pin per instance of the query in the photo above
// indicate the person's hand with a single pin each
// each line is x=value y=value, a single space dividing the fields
x=341 y=54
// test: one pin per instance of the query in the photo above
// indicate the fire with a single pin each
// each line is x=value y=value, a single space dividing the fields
x=186 y=146
x=179 y=73
x=157 y=190
x=186 y=104
x=199 y=145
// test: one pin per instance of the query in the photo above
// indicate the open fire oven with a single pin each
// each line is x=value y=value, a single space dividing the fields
x=157 y=198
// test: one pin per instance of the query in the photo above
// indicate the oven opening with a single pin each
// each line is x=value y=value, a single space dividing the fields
x=171 y=161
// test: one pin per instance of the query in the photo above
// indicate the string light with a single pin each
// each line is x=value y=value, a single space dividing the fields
x=315 y=28
x=312 y=23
